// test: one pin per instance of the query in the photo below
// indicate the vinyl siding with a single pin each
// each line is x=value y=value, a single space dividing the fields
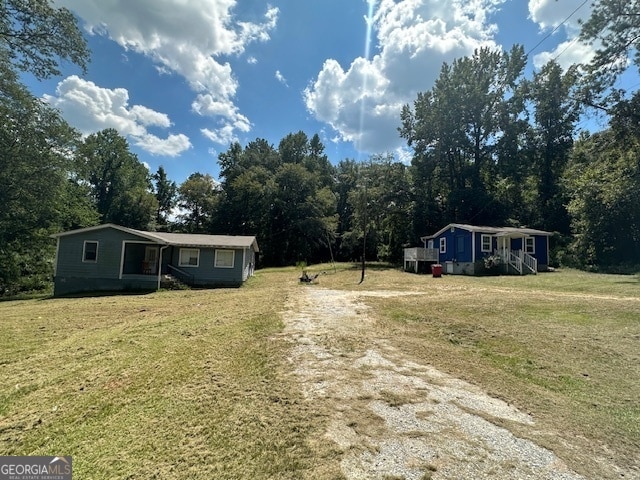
x=109 y=240
x=205 y=273
x=459 y=247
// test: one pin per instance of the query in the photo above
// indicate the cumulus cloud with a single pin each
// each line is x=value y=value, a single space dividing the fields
x=190 y=39
x=91 y=108
x=413 y=38
x=562 y=18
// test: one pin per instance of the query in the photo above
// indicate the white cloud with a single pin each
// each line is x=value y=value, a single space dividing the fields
x=566 y=54
x=281 y=78
x=91 y=108
x=149 y=117
x=233 y=121
x=188 y=38
x=564 y=17
x=549 y=14
x=172 y=146
x=414 y=37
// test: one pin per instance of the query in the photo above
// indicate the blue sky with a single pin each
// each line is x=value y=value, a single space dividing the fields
x=181 y=79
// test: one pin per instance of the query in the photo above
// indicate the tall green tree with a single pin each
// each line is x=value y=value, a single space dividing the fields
x=515 y=181
x=294 y=148
x=556 y=113
x=454 y=130
x=166 y=195
x=198 y=199
x=246 y=189
x=36 y=196
x=614 y=25
x=284 y=196
x=303 y=215
x=120 y=184
x=603 y=187
x=380 y=206
x=347 y=181
x=35 y=143
x=35 y=36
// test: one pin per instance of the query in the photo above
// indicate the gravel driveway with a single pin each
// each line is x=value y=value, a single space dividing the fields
x=395 y=419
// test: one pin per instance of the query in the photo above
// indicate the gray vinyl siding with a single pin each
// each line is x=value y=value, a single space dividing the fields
x=109 y=254
x=205 y=274
x=74 y=275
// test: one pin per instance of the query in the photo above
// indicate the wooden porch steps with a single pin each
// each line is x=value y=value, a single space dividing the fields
x=169 y=282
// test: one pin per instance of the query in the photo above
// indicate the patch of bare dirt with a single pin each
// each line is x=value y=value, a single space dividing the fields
x=396 y=419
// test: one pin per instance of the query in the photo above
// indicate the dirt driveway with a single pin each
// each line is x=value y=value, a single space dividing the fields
x=393 y=418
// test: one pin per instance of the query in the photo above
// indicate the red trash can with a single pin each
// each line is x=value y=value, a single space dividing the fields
x=436 y=270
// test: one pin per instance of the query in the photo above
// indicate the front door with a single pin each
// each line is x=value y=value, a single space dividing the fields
x=151 y=260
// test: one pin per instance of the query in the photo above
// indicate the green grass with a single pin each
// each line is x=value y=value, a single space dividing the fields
x=196 y=383
x=167 y=385
x=564 y=346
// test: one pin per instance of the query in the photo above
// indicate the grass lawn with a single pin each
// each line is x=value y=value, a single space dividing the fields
x=176 y=384
x=195 y=384
x=563 y=346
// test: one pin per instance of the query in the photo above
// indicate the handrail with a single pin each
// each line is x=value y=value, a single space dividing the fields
x=515 y=261
x=182 y=275
x=421 y=254
x=531 y=262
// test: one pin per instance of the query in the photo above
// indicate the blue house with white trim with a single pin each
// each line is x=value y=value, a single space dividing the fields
x=111 y=257
x=466 y=249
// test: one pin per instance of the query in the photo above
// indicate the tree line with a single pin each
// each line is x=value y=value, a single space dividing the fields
x=489 y=147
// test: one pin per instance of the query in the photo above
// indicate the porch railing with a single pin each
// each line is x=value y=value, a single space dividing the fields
x=530 y=262
x=515 y=261
x=418 y=254
x=181 y=275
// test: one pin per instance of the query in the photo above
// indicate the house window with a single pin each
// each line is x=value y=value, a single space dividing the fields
x=486 y=243
x=225 y=258
x=90 y=251
x=443 y=245
x=530 y=245
x=189 y=257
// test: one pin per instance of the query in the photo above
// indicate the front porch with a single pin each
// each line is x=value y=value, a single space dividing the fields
x=514 y=251
x=517 y=262
x=140 y=259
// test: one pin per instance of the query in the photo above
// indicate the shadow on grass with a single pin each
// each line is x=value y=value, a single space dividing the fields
x=26 y=296
x=98 y=294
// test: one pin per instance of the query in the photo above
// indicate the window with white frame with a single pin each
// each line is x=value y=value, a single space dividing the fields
x=224 y=258
x=189 y=257
x=90 y=251
x=487 y=242
x=530 y=245
x=443 y=245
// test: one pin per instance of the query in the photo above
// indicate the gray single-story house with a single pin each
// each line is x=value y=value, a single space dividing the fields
x=467 y=249
x=112 y=258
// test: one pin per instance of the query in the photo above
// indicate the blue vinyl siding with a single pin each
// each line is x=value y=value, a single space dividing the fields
x=459 y=246
x=542 y=255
